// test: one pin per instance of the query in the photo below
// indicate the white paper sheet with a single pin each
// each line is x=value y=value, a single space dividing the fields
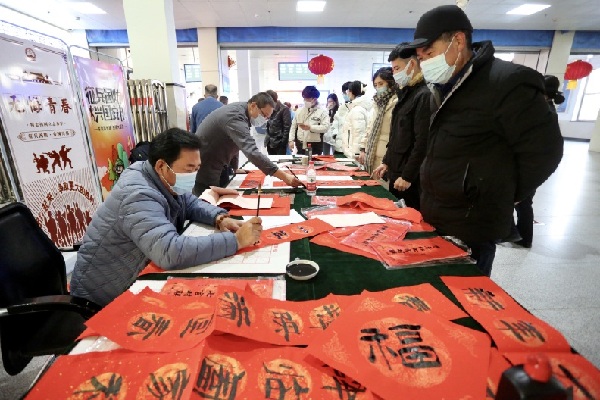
x=346 y=220
x=269 y=222
x=247 y=203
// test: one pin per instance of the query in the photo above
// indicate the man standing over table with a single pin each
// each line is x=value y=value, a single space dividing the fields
x=143 y=218
x=225 y=132
x=492 y=138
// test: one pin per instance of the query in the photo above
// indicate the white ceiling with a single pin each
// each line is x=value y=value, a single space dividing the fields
x=484 y=14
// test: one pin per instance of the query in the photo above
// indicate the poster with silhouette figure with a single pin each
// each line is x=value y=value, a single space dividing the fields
x=46 y=140
x=106 y=102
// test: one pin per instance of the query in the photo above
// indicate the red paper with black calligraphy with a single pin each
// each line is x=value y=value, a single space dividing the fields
x=422 y=298
x=409 y=253
x=253 y=179
x=572 y=370
x=119 y=375
x=417 y=355
x=498 y=365
x=329 y=240
x=281 y=206
x=273 y=321
x=154 y=322
x=368 y=235
x=208 y=287
x=289 y=233
x=511 y=326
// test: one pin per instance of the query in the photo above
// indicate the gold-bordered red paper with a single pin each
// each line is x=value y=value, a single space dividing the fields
x=120 y=375
x=154 y=322
x=572 y=370
x=511 y=326
x=412 y=354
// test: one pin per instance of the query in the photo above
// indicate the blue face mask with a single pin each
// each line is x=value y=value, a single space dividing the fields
x=346 y=98
x=185 y=181
x=381 y=89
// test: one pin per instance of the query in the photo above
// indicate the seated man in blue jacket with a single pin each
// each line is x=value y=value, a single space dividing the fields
x=143 y=218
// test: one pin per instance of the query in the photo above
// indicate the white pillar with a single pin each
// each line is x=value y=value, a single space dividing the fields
x=595 y=141
x=244 y=85
x=559 y=54
x=208 y=51
x=151 y=32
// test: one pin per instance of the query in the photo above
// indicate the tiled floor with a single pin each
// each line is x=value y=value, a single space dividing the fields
x=556 y=279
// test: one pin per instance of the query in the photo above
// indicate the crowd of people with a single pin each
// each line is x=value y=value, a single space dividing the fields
x=458 y=134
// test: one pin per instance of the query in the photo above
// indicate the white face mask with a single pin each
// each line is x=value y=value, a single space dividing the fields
x=259 y=121
x=308 y=104
x=402 y=78
x=436 y=69
x=184 y=181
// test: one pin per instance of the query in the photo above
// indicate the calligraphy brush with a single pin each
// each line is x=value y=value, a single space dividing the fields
x=258 y=203
x=288 y=167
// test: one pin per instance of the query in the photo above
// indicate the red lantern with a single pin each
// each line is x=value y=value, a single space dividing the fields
x=577 y=70
x=320 y=65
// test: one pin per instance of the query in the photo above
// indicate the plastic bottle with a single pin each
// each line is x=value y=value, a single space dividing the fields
x=309 y=153
x=311 y=179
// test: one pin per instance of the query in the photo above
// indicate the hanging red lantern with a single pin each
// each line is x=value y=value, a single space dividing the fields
x=230 y=62
x=320 y=65
x=577 y=70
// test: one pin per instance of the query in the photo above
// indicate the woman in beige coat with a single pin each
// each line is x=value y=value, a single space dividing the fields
x=374 y=144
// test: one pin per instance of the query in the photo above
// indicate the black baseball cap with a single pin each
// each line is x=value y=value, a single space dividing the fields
x=439 y=20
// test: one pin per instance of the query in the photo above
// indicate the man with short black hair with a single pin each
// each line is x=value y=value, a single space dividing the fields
x=143 y=218
x=278 y=127
x=226 y=132
x=492 y=138
x=203 y=108
x=224 y=100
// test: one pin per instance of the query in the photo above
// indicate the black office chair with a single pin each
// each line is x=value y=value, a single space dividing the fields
x=37 y=314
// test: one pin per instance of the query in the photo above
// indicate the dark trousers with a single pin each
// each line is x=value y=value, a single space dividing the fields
x=327 y=149
x=484 y=253
x=411 y=196
x=278 y=150
x=317 y=147
x=525 y=219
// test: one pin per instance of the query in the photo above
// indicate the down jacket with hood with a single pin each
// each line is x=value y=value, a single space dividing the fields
x=493 y=140
x=354 y=129
x=142 y=221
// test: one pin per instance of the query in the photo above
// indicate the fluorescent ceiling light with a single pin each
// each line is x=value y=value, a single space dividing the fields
x=310 y=6
x=86 y=8
x=528 y=9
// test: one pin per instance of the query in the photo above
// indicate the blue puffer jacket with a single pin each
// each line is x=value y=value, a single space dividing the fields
x=142 y=221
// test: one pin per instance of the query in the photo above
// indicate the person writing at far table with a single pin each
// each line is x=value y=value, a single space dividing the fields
x=226 y=132
x=143 y=220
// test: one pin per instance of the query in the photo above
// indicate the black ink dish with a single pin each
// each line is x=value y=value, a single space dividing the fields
x=302 y=269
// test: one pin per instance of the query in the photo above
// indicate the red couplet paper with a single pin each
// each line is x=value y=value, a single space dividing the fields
x=498 y=365
x=289 y=233
x=326 y=158
x=572 y=370
x=253 y=179
x=410 y=355
x=422 y=298
x=154 y=322
x=361 y=200
x=331 y=241
x=368 y=235
x=281 y=207
x=511 y=326
x=417 y=251
x=356 y=183
x=341 y=167
x=274 y=321
x=120 y=375
x=208 y=287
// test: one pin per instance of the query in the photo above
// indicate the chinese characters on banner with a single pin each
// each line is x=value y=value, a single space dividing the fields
x=418 y=251
x=46 y=139
x=105 y=102
x=207 y=287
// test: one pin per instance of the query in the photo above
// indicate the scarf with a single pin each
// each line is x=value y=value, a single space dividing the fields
x=381 y=100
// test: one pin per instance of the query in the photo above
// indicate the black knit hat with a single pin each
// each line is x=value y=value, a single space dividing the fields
x=310 y=92
x=437 y=21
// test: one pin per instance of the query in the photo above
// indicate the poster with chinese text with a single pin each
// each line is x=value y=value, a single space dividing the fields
x=46 y=140
x=105 y=101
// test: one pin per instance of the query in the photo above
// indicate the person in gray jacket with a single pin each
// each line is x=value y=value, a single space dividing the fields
x=143 y=218
x=225 y=132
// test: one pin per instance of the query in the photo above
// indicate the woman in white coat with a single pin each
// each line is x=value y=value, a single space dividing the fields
x=355 y=124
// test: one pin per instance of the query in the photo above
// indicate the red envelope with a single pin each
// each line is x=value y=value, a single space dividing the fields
x=418 y=251
x=120 y=375
x=572 y=370
x=511 y=326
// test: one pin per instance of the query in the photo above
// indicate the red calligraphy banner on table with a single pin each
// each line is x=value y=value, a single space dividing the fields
x=208 y=287
x=511 y=326
x=120 y=375
x=367 y=235
x=418 y=355
x=289 y=233
x=274 y=321
x=253 y=179
x=418 y=251
x=362 y=200
x=572 y=370
x=281 y=206
x=326 y=158
x=498 y=365
x=155 y=322
x=331 y=241
x=341 y=167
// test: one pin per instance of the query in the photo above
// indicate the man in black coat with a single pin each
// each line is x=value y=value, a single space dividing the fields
x=410 y=128
x=492 y=138
x=278 y=127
